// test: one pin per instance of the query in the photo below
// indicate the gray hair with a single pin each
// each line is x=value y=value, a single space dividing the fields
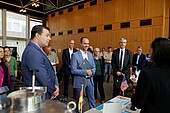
x=96 y=49
x=121 y=39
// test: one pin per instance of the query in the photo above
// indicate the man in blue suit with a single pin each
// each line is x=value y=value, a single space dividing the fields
x=66 y=58
x=83 y=76
x=34 y=58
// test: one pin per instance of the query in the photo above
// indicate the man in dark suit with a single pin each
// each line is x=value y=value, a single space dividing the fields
x=121 y=63
x=138 y=60
x=66 y=58
x=34 y=58
x=82 y=75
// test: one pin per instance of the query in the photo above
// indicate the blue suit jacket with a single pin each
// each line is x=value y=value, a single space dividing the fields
x=34 y=58
x=80 y=74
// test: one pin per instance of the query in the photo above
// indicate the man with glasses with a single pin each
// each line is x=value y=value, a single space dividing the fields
x=66 y=58
x=121 y=63
x=138 y=60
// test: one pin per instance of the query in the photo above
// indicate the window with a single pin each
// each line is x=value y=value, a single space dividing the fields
x=34 y=22
x=1 y=42
x=20 y=46
x=0 y=22
x=108 y=27
x=16 y=25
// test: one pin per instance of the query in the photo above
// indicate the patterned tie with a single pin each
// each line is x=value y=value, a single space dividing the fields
x=120 y=60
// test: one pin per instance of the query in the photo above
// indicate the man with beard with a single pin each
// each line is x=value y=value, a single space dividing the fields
x=83 y=75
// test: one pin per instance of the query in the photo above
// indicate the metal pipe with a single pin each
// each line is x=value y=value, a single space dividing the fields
x=64 y=6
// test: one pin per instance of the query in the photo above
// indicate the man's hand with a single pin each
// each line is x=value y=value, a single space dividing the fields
x=118 y=73
x=89 y=72
x=56 y=92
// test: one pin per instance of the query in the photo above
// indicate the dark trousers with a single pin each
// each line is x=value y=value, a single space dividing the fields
x=98 y=82
x=12 y=81
x=67 y=74
x=116 y=88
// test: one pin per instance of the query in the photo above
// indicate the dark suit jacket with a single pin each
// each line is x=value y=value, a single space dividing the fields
x=141 y=61
x=126 y=65
x=153 y=90
x=66 y=58
x=34 y=58
x=102 y=64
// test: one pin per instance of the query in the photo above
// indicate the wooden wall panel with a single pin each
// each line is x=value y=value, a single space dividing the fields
x=134 y=23
x=108 y=13
x=63 y=20
x=157 y=32
x=153 y=8
x=158 y=21
x=97 y=15
x=70 y=20
x=121 y=10
x=136 y=9
x=87 y=17
x=57 y=23
x=165 y=32
x=113 y=12
x=78 y=19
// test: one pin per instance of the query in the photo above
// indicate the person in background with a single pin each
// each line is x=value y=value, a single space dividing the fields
x=66 y=58
x=12 y=63
x=52 y=56
x=148 y=62
x=121 y=63
x=103 y=52
x=33 y=58
x=83 y=76
x=90 y=49
x=4 y=70
x=108 y=67
x=53 y=50
x=14 y=53
x=138 y=60
x=153 y=85
x=99 y=74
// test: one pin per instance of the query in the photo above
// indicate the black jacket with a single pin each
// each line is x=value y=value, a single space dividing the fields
x=153 y=90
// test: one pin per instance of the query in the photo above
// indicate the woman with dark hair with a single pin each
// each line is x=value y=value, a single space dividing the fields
x=153 y=86
x=4 y=70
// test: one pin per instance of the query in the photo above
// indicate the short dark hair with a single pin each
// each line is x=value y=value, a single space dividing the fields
x=6 y=47
x=109 y=47
x=81 y=39
x=161 y=51
x=139 y=47
x=38 y=29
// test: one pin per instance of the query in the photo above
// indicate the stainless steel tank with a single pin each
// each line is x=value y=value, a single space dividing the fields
x=26 y=99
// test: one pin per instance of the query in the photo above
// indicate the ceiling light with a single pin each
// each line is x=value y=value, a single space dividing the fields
x=23 y=10
x=35 y=4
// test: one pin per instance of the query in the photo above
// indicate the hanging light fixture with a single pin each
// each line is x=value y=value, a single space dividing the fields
x=34 y=3
x=23 y=10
